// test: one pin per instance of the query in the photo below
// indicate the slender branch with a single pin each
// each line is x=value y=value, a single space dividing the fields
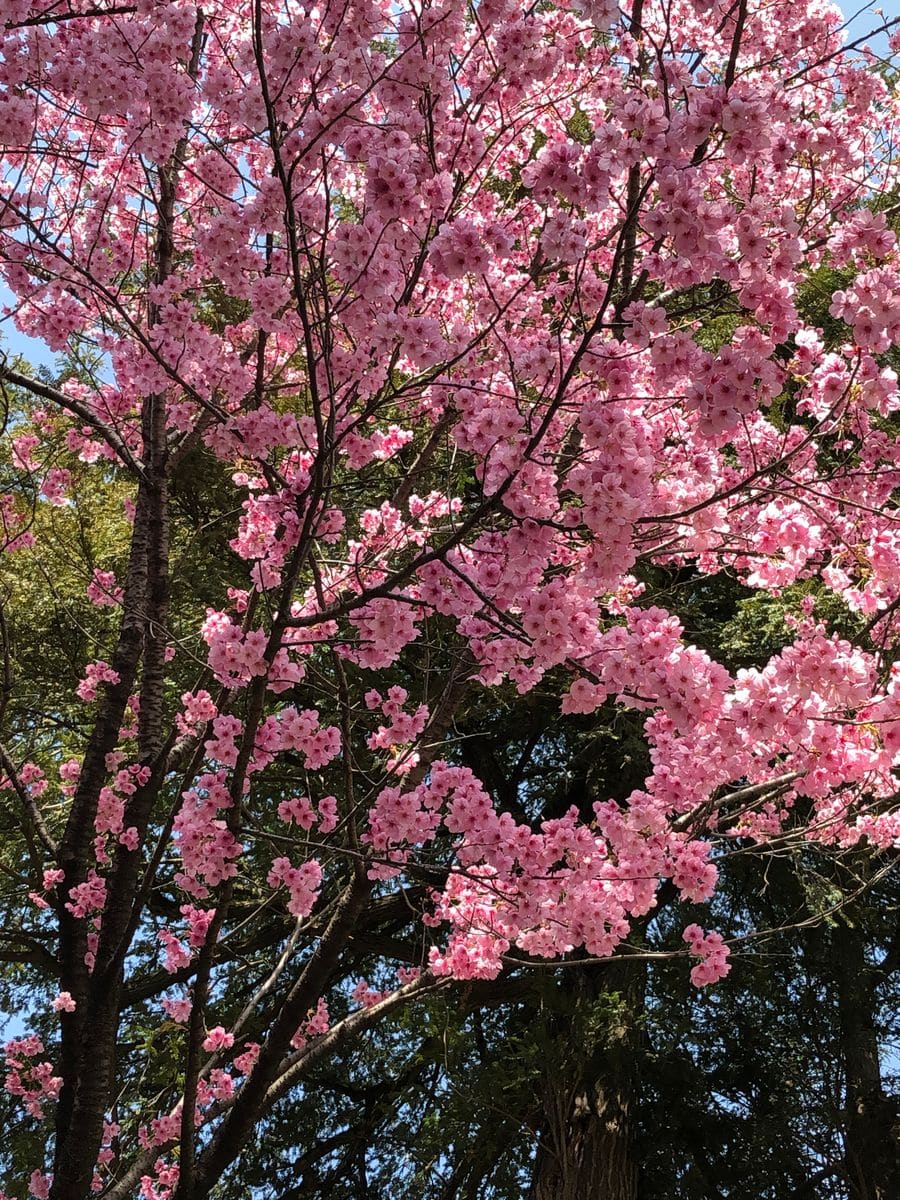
x=34 y=813
x=46 y=392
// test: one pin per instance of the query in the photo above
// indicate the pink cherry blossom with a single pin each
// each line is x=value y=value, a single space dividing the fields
x=421 y=339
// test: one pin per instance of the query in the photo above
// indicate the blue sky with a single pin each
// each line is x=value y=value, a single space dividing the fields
x=14 y=342
x=864 y=19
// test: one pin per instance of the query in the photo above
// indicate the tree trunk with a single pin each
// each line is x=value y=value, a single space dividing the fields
x=589 y=1092
x=872 y=1131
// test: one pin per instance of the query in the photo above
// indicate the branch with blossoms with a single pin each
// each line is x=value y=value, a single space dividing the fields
x=420 y=333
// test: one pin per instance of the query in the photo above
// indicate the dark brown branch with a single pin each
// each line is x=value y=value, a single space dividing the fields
x=76 y=408
x=31 y=809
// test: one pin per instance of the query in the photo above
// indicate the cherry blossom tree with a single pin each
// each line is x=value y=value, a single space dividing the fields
x=401 y=338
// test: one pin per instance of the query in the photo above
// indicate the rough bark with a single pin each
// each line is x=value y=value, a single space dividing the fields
x=589 y=1092
x=87 y=1050
x=89 y=1035
x=872 y=1131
